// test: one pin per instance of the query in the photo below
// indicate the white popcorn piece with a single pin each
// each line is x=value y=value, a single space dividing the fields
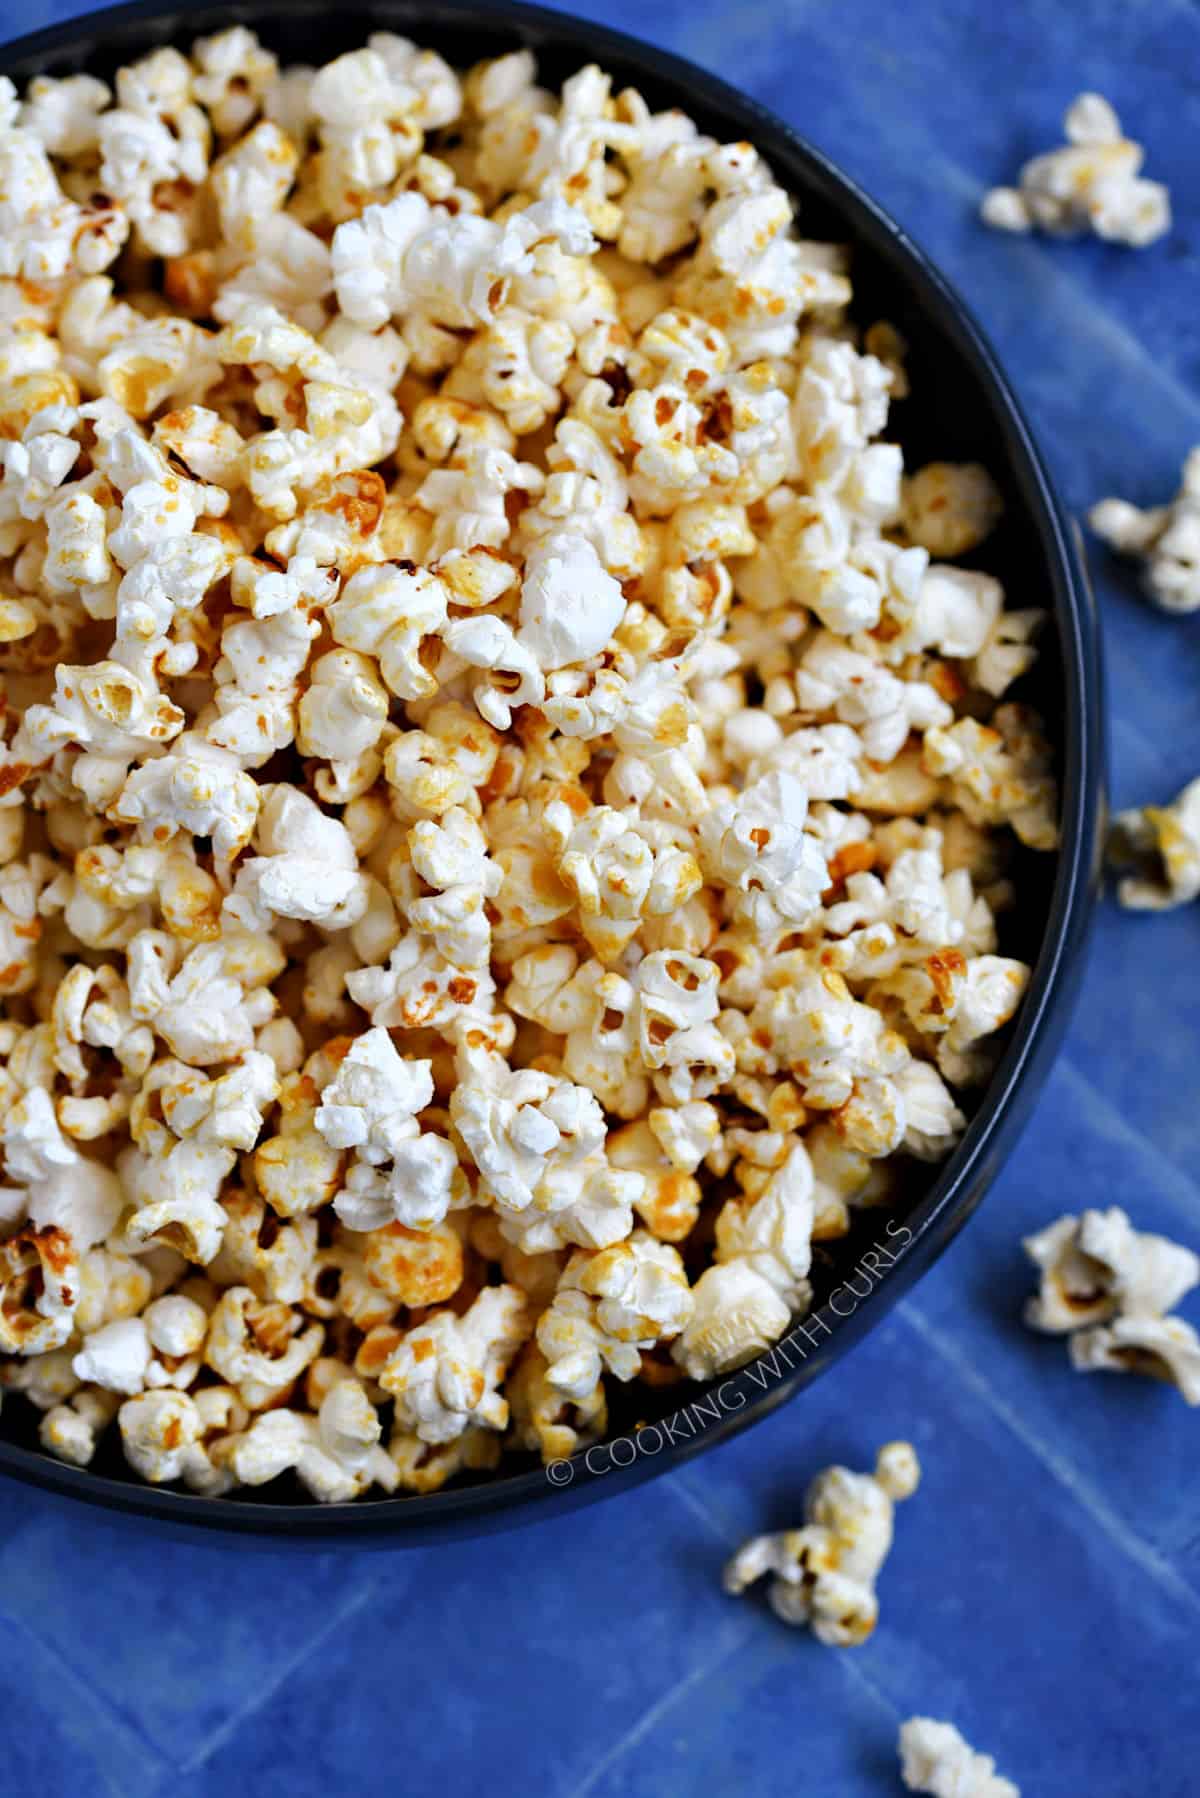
x=824 y=1573
x=420 y=989
x=445 y=1373
x=617 y=874
x=71 y=1432
x=950 y=508
x=308 y=868
x=757 y=845
x=388 y=612
x=1165 y=1348
x=544 y=1419
x=336 y=1455
x=459 y=878
x=116 y=1357
x=935 y=1758
x=370 y=1106
x=214 y=1002
x=163 y=1436
x=773 y=1234
x=992 y=989
x=1000 y=773
x=196 y=787
x=407 y=257
x=608 y=1308
x=1164 y=539
x=344 y=710
x=1096 y=1266
x=489 y=643
x=115 y=714
x=260 y=1348
x=736 y=1314
x=35 y=1148
x=933 y=1122
x=826 y=1037
x=1093 y=184
x=81 y=1197
x=527 y=1132
x=1161 y=847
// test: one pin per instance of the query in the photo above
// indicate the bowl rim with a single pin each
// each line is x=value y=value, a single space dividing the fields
x=728 y=1405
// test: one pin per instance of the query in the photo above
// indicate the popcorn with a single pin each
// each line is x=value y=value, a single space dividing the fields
x=1165 y=1348
x=407 y=257
x=608 y=1308
x=370 y=1106
x=387 y=613
x=616 y=875
x=71 y=1432
x=950 y=508
x=196 y=787
x=545 y=1419
x=1093 y=185
x=450 y=859
x=261 y=1348
x=336 y=1455
x=163 y=1436
x=39 y=1272
x=502 y=821
x=115 y=1357
x=1110 y=1287
x=824 y=1574
x=736 y=1314
x=1165 y=539
x=757 y=845
x=444 y=1374
x=773 y=1235
x=308 y=868
x=1161 y=845
x=1096 y=1266
x=936 y=1759
x=999 y=773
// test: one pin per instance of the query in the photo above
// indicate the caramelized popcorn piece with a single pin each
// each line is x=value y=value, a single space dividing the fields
x=824 y=1574
x=1096 y=1266
x=1093 y=184
x=1161 y=844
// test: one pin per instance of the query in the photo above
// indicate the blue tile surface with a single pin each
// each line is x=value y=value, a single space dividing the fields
x=1045 y=1587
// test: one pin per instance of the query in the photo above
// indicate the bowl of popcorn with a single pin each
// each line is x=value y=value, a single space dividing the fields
x=550 y=767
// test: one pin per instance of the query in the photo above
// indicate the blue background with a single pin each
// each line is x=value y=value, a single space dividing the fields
x=1044 y=1591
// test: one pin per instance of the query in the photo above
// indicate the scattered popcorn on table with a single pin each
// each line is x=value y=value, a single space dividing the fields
x=824 y=1574
x=1164 y=539
x=1092 y=184
x=1097 y=1265
x=935 y=1759
x=1109 y=1288
x=502 y=820
x=1160 y=844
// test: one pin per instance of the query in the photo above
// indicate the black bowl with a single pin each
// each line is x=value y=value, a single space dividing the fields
x=964 y=410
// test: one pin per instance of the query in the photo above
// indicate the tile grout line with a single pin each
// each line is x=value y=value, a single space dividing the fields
x=1119 y=1533
x=698 y=1508
x=156 y=1762
x=651 y=1716
x=229 y=1728
x=1108 y=328
x=1189 y=1206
